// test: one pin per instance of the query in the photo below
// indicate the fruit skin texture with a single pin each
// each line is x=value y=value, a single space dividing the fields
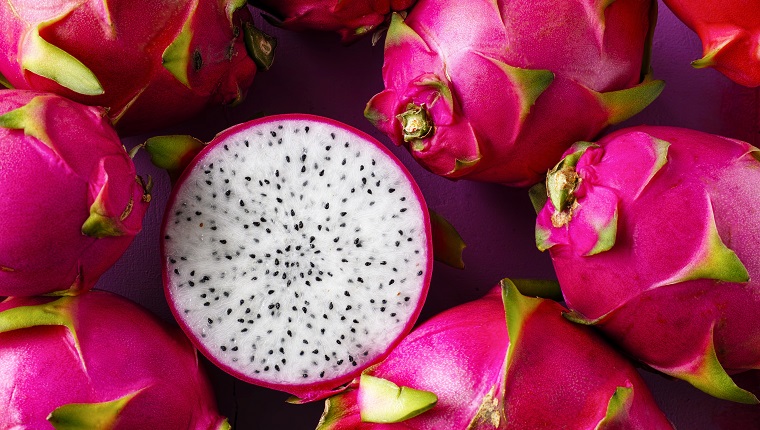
x=351 y=19
x=320 y=389
x=505 y=87
x=72 y=202
x=653 y=236
x=94 y=348
x=151 y=63
x=730 y=34
x=532 y=369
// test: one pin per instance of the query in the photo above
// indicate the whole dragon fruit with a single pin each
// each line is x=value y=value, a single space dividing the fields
x=497 y=90
x=653 y=233
x=72 y=202
x=150 y=63
x=98 y=361
x=350 y=19
x=730 y=34
x=505 y=361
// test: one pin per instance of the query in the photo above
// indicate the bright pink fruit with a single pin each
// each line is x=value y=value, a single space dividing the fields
x=71 y=200
x=151 y=63
x=730 y=34
x=98 y=361
x=351 y=19
x=496 y=91
x=532 y=369
x=653 y=233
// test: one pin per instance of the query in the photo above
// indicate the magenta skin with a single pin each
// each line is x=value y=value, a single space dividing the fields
x=321 y=389
x=509 y=85
x=543 y=372
x=350 y=19
x=50 y=186
x=138 y=91
x=116 y=348
x=677 y=286
x=730 y=34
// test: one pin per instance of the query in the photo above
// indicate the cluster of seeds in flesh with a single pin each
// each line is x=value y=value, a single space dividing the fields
x=295 y=253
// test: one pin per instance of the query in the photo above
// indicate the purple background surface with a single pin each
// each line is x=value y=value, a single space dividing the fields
x=314 y=73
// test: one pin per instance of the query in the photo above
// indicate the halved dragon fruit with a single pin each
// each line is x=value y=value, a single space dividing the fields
x=350 y=19
x=72 y=202
x=505 y=361
x=98 y=361
x=151 y=63
x=653 y=233
x=498 y=90
x=730 y=34
x=296 y=251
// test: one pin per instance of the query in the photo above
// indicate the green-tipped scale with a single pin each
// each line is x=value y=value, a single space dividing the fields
x=98 y=362
x=504 y=361
x=658 y=249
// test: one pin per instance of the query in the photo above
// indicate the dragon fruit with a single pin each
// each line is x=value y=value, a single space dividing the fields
x=505 y=361
x=653 y=235
x=98 y=361
x=730 y=34
x=296 y=252
x=151 y=63
x=350 y=19
x=72 y=202
x=497 y=91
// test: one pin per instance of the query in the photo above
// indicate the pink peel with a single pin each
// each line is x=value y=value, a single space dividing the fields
x=729 y=35
x=56 y=189
x=482 y=48
x=99 y=358
x=681 y=262
x=479 y=367
x=149 y=63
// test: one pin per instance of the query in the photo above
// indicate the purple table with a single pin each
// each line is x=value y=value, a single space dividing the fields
x=314 y=73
